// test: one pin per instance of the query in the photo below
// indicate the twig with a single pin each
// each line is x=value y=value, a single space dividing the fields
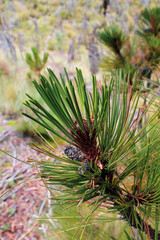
x=139 y=224
x=11 y=176
x=14 y=156
x=42 y=206
x=51 y=221
x=12 y=192
x=5 y=135
x=44 y=230
x=28 y=232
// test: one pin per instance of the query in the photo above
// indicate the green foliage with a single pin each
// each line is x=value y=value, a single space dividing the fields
x=12 y=123
x=35 y=63
x=149 y=22
x=1 y=71
x=121 y=52
x=5 y=227
x=114 y=38
x=12 y=211
x=119 y=165
x=65 y=15
x=128 y=237
x=29 y=75
x=153 y=56
x=149 y=30
x=11 y=183
x=100 y=224
x=51 y=45
x=27 y=128
x=1 y=128
x=142 y=57
x=69 y=220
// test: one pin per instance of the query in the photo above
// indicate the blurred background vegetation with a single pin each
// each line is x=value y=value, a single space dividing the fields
x=63 y=30
x=38 y=34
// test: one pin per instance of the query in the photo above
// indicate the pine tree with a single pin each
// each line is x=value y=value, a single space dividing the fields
x=34 y=61
x=143 y=56
x=108 y=163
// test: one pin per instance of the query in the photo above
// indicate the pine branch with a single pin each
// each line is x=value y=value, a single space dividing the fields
x=139 y=224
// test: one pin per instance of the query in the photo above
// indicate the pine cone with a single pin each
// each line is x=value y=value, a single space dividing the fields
x=86 y=166
x=73 y=153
